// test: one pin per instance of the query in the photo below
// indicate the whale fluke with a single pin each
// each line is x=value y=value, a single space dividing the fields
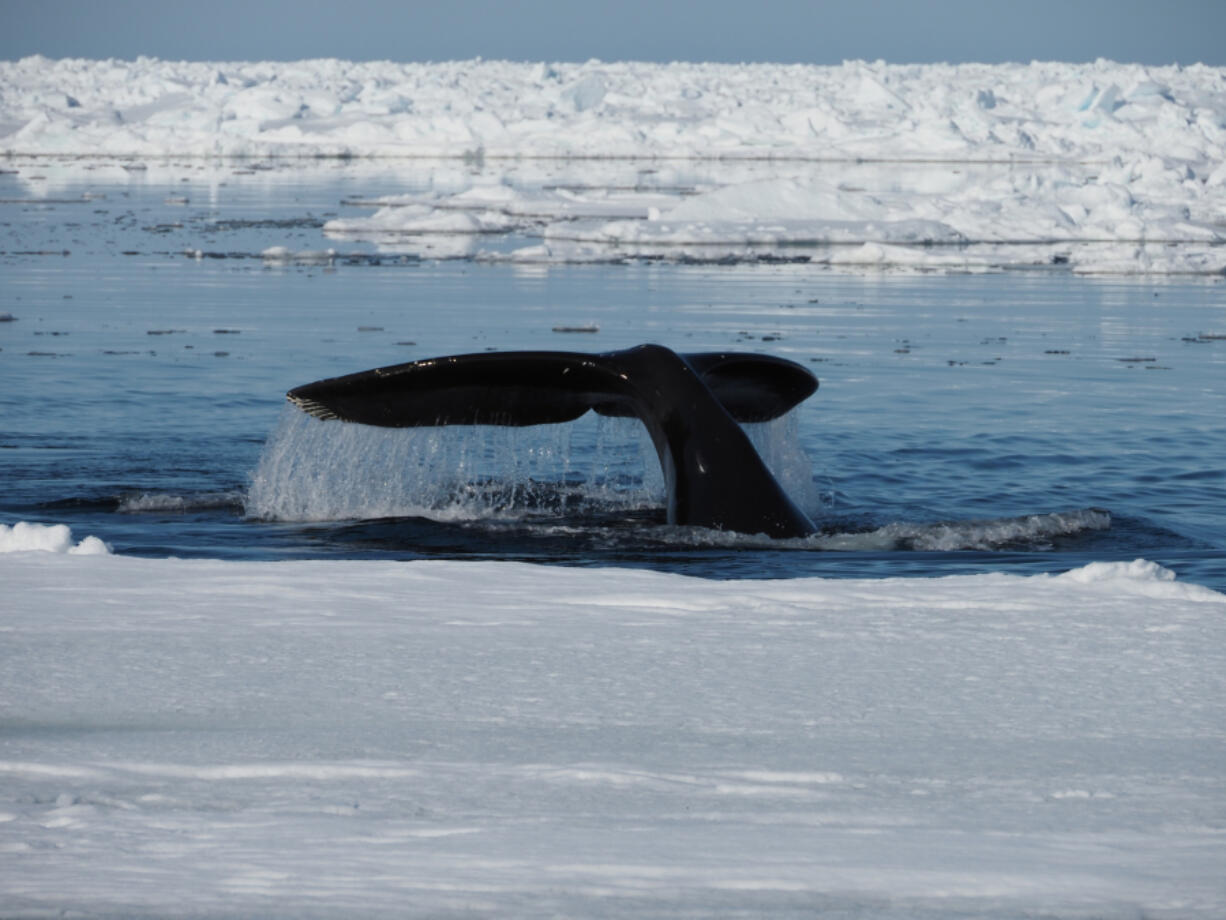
x=690 y=404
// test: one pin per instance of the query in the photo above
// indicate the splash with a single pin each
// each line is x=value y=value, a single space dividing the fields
x=778 y=444
x=326 y=471
x=560 y=475
x=319 y=471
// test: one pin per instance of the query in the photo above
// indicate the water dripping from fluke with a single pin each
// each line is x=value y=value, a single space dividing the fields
x=595 y=475
x=595 y=480
x=319 y=471
x=692 y=406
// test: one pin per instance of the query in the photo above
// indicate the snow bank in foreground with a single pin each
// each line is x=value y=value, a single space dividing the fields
x=500 y=739
x=55 y=538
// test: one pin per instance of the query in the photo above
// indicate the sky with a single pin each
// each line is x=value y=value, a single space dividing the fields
x=730 y=31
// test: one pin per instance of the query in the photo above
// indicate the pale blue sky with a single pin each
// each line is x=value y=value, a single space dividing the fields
x=1174 y=31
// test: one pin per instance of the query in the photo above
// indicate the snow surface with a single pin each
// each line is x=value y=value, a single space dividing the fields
x=208 y=738
x=1110 y=168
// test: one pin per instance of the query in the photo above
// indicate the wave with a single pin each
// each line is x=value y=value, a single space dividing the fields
x=179 y=503
x=1031 y=531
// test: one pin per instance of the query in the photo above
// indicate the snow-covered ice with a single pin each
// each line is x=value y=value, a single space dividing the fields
x=858 y=110
x=204 y=738
x=26 y=537
x=1106 y=167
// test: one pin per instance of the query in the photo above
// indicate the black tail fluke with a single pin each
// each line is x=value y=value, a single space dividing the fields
x=541 y=387
x=507 y=388
x=690 y=405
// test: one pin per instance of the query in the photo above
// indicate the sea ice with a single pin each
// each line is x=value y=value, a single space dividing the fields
x=381 y=738
x=1089 y=155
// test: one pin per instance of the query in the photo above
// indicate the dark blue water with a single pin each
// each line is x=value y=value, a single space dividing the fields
x=1023 y=421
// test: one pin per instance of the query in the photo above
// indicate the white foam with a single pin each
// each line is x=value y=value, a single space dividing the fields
x=1034 y=530
x=174 y=502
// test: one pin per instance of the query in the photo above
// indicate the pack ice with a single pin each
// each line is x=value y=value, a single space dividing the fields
x=1105 y=167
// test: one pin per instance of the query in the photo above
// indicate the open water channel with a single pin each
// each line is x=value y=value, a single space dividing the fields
x=1016 y=421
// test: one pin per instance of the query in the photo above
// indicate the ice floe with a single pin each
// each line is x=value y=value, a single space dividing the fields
x=1140 y=217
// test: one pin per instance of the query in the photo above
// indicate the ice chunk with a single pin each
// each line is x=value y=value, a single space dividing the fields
x=49 y=538
x=588 y=93
x=1137 y=570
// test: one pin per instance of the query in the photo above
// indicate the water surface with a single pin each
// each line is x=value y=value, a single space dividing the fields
x=1022 y=421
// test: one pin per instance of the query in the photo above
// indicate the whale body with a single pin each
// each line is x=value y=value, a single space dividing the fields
x=691 y=405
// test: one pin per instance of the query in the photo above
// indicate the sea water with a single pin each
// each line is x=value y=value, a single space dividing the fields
x=1016 y=421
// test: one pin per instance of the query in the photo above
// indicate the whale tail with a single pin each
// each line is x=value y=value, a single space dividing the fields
x=690 y=405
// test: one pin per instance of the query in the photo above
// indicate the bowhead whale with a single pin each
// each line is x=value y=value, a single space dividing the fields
x=690 y=403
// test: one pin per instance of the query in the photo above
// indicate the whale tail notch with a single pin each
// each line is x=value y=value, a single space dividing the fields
x=690 y=405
